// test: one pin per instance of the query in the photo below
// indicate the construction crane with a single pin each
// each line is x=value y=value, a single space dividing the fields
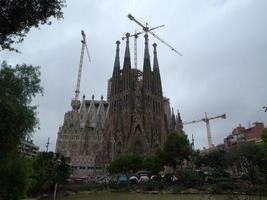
x=135 y=35
x=75 y=103
x=146 y=29
x=207 y=119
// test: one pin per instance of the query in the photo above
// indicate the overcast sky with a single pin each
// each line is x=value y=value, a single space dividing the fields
x=223 y=68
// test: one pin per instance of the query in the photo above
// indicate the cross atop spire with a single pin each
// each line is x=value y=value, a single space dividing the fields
x=127 y=59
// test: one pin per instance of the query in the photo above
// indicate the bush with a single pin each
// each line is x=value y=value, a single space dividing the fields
x=190 y=178
x=215 y=189
x=152 y=185
x=176 y=189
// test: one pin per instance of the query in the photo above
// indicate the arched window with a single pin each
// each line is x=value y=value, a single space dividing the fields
x=119 y=148
x=138 y=148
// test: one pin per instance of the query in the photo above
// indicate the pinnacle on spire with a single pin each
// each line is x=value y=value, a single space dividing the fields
x=127 y=59
x=155 y=64
x=172 y=112
x=117 y=57
x=172 y=120
x=179 y=121
x=146 y=56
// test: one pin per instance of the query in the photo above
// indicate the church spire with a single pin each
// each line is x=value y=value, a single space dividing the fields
x=127 y=59
x=146 y=55
x=117 y=56
x=147 y=67
x=179 y=122
x=157 y=88
x=116 y=71
x=155 y=63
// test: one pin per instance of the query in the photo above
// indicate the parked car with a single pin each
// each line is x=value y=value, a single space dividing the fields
x=122 y=180
x=133 y=180
x=169 y=178
x=143 y=179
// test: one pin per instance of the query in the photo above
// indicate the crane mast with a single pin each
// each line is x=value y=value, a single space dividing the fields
x=206 y=119
x=75 y=103
x=77 y=91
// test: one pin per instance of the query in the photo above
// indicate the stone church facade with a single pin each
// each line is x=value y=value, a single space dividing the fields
x=135 y=119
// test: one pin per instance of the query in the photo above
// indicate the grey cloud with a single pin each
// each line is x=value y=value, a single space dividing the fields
x=223 y=68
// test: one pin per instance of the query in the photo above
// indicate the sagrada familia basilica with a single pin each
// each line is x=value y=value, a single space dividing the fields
x=134 y=119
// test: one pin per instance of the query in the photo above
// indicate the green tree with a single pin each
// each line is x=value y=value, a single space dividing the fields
x=264 y=135
x=16 y=179
x=176 y=149
x=125 y=164
x=153 y=163
x=213 y=159
x=18 y=119
x=17 y=17
x=48 y=169
x=248 y=158
x=18 y=85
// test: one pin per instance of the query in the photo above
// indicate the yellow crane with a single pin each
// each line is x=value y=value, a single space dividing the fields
x=75 y=103
x=207 y=119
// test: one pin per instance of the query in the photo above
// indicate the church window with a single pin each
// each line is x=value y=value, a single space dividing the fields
x=74 y=146
x=120 y=106
x=138 y=148
x=119 y=148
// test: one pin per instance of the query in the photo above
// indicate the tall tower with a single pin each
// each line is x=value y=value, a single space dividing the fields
x=136 y=120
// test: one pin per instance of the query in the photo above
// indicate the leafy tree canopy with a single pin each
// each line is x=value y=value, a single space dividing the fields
x=213 y=159
x=17 y=17
x=18 y=85
x=264 y=135
x=153 y=163
x=125 y=164
x=176 y=149
x=48 y=168
x=15 y=180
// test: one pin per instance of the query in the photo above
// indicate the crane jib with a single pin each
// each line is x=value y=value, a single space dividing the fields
x=148 y=30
